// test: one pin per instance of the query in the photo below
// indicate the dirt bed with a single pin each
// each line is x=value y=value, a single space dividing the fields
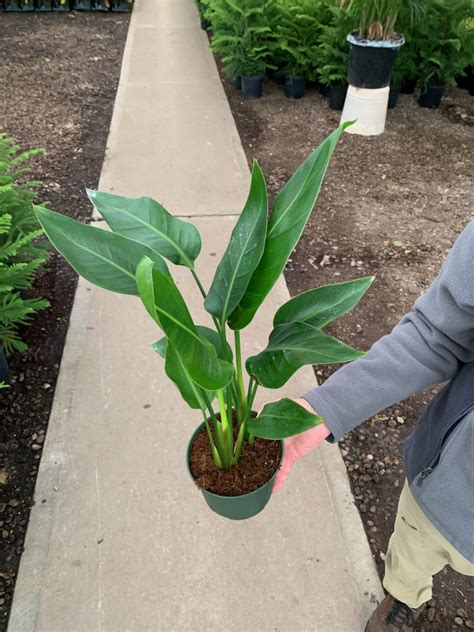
x=390 y=206
x=58 y=79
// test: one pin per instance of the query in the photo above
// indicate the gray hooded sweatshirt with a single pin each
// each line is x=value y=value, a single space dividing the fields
x=434 y=343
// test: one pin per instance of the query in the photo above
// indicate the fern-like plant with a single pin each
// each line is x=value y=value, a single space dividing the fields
x=243 y=35
x=298 y=36
x=20 y=253
x=333 y=50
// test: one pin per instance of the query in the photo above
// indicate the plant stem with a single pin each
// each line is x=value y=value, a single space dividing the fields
x=214 y=450
x=240 y=376
x=226 y=426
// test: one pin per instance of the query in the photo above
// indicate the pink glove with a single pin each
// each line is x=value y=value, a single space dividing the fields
x=299 y=445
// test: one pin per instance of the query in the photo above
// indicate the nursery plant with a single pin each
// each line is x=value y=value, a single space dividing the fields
x=205 y=363
x=243 y=35
x=298 y=33
x=333 y=54
x=20 y=254
x=377 y=18
x=444 y=42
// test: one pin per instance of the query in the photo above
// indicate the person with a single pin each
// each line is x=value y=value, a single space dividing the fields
x=434 y=343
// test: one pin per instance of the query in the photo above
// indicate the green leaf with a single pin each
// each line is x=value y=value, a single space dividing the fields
x=101 y=257
x=282 y=419
x=287 y=221
x=243 y=252
x=144 y=220
x=205 y=332
x=178 y=373
x=292 y=346
x=322 y=305
x=165 y=304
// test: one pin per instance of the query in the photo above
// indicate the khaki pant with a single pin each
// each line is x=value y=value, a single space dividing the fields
x=416 y=552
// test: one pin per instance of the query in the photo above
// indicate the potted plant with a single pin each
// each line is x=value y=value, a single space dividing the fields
x=60 y=5
x=82 y=5
x=333 y=56
x=444 y=44
x=244 y=38
x=199 y=360
x=374 y=46
x=297 y=42
x=101 y=5
x=44 y=5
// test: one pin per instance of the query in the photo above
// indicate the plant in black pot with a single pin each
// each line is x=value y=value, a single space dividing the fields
x=444 y=45
x=333 y=56
x=232 y=456
x=374 y=46
x=244 y=38
x=298 y=35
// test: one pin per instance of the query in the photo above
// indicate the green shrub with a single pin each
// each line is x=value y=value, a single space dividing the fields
x=333 y=48
x=444 y=42
x=20 y=253
x=244 y=35
x=298 y=36
x=377 y=18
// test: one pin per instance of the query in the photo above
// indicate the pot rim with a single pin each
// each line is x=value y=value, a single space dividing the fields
x=255 y=491
x=393 y=43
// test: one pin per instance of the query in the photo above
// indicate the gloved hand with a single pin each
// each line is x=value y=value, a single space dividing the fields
x=299 y=445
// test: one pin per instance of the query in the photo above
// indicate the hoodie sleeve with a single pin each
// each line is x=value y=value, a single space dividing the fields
x=426 y=347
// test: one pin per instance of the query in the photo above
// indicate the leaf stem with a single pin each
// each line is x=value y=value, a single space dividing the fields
x=240 y=376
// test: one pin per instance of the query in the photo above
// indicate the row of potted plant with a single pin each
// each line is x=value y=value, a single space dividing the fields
x=120 y=6
x=20 y=254
x=301 y=40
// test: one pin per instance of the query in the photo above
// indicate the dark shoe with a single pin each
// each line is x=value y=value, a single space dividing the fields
x=393 y=616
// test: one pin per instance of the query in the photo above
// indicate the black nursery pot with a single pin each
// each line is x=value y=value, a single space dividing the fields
x=4 y=369
x=295 y=87
x=252 y=86
x=337 y=96
x=393 y=97
x=324 y=90
x=236 y=82
x=44 y=5
x=431 y=97
x=371 y=62
x=204 y=23
x=83 y=5
x=121 y=7
x=408 y=87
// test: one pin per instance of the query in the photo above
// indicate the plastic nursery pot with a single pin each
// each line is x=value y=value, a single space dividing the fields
x=324 y=90
x=100 y=5
x=408 y=87
x=4 y=368
x=236 y=82
x=83 y=5
x=371 y=62
x=431 y=97
x=44 y=5
x=393 y=97
x=337 y=96
x=121 y=7
x=295 y=87
x=252 y=86
x=236 y=507
x=27 y=5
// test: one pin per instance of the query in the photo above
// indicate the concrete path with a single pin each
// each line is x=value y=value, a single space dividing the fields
x=119 y=539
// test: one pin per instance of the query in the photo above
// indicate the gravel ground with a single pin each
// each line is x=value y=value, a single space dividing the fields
x=390 y=206
x=58 y=79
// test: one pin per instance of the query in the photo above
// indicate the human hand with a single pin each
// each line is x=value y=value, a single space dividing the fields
x=299 y=445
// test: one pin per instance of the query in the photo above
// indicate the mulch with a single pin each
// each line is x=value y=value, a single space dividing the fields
x=391 y=206
x=58 y=78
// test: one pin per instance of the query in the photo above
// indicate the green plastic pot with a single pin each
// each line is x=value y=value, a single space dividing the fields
x=236 y=507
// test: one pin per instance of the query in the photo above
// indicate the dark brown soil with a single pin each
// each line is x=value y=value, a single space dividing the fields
x=391 y=206
x=257 y=464
x=58 y=78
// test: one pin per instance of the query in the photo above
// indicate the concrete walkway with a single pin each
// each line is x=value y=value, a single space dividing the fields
x=119 y=539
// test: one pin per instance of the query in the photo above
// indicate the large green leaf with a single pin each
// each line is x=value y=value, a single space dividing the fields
x=144 y=220
x=178 y=373
x=282 y=419
x=243 y=252
x=324 y=304
x=165 y=304
x=101 y=257
x=292 y=346
x=287 y=221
